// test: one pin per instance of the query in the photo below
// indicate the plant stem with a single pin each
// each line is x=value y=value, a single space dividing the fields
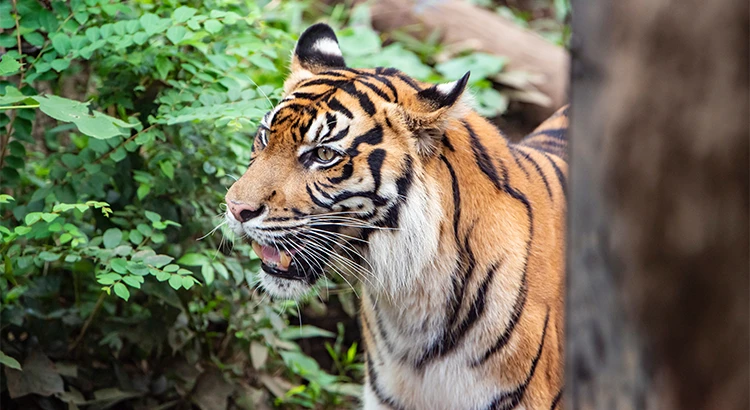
x=13 y=107
x=85 y=327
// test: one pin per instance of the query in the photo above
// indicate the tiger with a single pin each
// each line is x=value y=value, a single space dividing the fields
x=456 y=235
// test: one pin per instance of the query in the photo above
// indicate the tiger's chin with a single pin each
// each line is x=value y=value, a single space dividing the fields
x=283 y=275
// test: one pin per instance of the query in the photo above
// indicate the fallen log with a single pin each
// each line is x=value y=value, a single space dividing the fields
x=461 y=23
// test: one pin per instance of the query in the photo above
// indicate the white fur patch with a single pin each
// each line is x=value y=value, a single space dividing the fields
x=327 y=46
x=446 y=88
x=399 y=257
x=283 y=288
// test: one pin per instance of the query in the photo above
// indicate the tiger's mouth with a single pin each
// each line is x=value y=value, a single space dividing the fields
x=282 y=263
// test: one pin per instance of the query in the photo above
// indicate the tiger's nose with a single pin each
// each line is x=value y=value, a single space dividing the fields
x=243 y=212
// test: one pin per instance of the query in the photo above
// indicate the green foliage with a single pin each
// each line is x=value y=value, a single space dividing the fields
x=125 y=123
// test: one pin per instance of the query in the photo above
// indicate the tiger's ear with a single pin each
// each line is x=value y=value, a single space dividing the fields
x=437 y=105
x=317 y=50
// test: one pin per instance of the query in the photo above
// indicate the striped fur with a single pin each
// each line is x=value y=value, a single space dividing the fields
x=456 y=234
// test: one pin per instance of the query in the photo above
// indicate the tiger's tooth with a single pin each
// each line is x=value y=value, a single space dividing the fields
x=257 y=249
x=285 y=260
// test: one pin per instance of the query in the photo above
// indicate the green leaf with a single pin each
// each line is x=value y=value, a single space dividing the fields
x=187 y=281
x=193 y=259
x=213 y=26
x=208 y=273
x=262 y=62
x=142 y=191
x=304 y=331
x=175 y=34
x=112 y=237
x=9 y=65
x=183 y=13
x=98 y=126
x=152 y=216
x=34 y=38
x=119 y=265
x=162 y=276
x=49 y=256
x=137 y=268
x=481 y=65
x=135 y=237
x=61 y=43
x=133 y=281
x=171 y=268
x=153 y=24
x=158 y=261
x=32 y=218
x=140 y=38
x=175 y=281
x=108 y=278
x=167 y=168
x=223 y=272
x=12 y=95
x=92 y=33
x=60 y=64
x=122 y=291
x=9 y=361
x=163 y=66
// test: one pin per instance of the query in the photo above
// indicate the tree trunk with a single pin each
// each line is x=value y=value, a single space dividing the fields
x=658 y=252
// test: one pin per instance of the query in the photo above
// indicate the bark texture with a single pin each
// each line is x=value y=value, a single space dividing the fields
x=658 y=252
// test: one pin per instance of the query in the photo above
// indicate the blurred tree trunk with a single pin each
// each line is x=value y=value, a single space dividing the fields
x=658 y=250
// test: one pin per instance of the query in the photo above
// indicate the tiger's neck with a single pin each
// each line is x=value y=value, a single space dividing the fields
x=415 y=268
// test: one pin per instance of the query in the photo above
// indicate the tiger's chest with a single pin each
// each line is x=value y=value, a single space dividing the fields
x=449 y=384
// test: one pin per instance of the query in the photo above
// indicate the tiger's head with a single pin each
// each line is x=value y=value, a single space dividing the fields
x=333 y=168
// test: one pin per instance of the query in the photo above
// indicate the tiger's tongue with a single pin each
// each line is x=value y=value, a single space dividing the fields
x=273 y=257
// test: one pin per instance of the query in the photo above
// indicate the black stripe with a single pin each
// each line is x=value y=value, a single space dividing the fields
x=336 y=105
x=528 y=157
x=560 y=175
x=373 y=381
x=456 y=196
x=372 y=137
x=483 y=159
x=403 y=183
x=509 y=400
x=315 y=200
x=331 y=121
x=376 y=90
x=514 y=152
x=518 y=308
x=346 y=173
x=381 y=331
x=388 y=84
x=304 y=128
x=339 y=135
x=447 y=143
x=322 y=192
x=556 y=133
x=375 y=162
x=408 y=80
x=556 y=400
x=452 y=338
x=364 y=100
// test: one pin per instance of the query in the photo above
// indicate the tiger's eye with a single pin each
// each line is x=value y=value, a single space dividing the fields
x=325 y=154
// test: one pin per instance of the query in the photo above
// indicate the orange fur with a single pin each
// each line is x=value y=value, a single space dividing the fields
x=434 y=321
